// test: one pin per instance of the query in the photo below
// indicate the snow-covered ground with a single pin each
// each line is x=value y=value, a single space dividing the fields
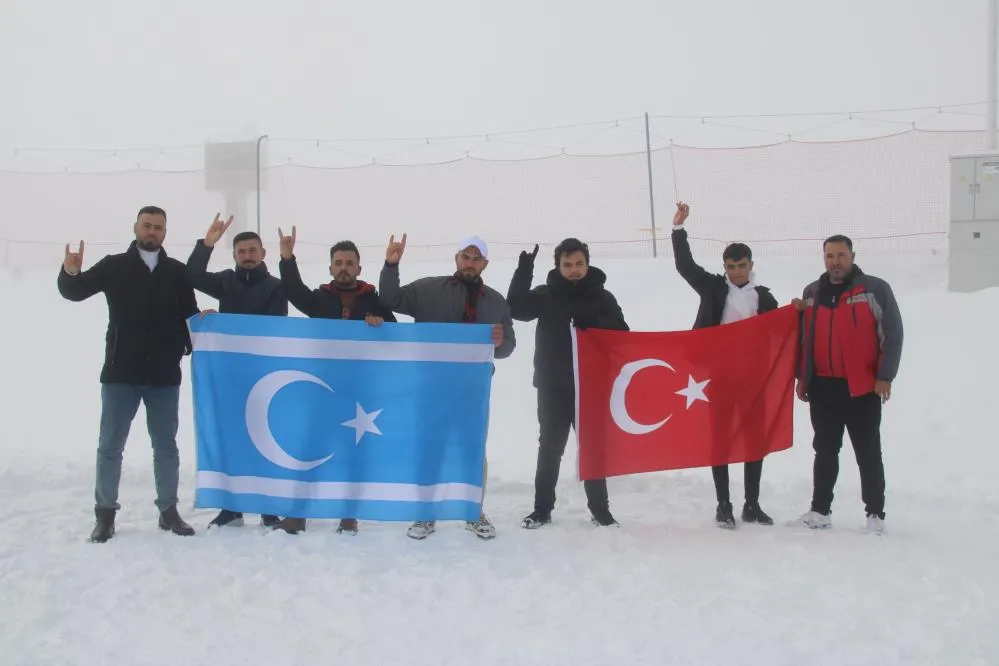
x=668 y=587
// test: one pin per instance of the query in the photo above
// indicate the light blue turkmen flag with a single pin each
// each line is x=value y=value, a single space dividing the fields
x=320 y=418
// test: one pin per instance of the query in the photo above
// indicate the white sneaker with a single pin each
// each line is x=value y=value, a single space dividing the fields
x=812 y=520
x=421 y=529
x=481 y=528
x=875 y=525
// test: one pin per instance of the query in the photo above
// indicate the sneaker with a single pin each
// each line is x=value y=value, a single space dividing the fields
x=421 y=529
x=724 y=517
x=269 y=521
x=752 y=513
x=875 y=525
x=227 y=518
x=812 y=520
x=347 y=526
x=603 y=518
x=536 y=519
x=481 y=528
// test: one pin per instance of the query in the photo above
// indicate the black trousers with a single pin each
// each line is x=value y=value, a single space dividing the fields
x=752 y=472
x=833 y=410
x=556 y=414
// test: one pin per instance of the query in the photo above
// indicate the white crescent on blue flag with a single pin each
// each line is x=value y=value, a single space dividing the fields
x=325 y=418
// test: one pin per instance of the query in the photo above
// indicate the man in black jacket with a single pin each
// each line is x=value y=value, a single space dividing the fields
x=725 y=299
x=344 y=297
x=150 y=298
x=574 y=292
x=247 y=289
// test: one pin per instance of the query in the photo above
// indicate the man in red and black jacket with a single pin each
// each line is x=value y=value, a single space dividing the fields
x=344 y=297
x=850 y=354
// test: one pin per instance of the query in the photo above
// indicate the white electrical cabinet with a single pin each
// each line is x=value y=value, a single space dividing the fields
x=974 y=222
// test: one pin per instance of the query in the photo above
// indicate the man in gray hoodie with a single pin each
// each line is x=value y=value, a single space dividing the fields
x=458 y=298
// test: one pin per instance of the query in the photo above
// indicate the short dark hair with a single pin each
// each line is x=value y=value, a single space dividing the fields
x=150 y=210
x=245 y=236
x=737 y=252
x=345 y=246
x=838 y=238
x=570 y=246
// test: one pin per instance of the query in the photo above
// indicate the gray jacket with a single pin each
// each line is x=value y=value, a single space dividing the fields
x=441 y=300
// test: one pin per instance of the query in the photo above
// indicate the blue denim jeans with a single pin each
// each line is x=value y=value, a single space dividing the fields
x=119 y=405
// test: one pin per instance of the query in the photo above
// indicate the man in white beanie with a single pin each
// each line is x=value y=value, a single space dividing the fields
x=458 y=298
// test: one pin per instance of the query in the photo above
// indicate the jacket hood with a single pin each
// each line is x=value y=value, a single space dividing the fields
x=593 y=281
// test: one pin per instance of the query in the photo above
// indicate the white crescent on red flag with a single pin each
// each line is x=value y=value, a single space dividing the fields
x=653 y=401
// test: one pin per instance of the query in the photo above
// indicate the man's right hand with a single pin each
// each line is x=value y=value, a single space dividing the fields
x=394 y=251
x=287 y=243
x=801 y=391
x=527 y=258
x=73 y=262
x=682 y=213
x=216 y=231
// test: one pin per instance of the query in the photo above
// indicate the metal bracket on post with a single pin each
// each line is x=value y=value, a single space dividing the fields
x=652 y=205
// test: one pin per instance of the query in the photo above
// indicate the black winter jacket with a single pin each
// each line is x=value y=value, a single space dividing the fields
x=327 y=302
x=587 y=304
x=239 y=291
x=711 y=287
x=147 y=332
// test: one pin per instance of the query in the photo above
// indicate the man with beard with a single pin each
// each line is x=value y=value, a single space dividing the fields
x=851 y=350
x=573 y=293
x=725 y=299
x=458 y=298
x=344 y=297
x=247 y=289
x=150 y=298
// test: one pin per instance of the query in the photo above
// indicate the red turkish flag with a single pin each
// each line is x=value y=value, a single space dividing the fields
x=648 y=401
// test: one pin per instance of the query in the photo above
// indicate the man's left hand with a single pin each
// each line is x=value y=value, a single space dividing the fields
x=883 y=389
x=497 y=335
x=201 y=315
x=373 y=320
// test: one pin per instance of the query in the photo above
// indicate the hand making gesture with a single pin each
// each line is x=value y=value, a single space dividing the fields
x=682 y=212
x=73 y=262
x=217 y=230
x=394 y=251
x=287 y=243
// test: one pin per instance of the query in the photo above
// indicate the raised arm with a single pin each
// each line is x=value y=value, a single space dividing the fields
x=197 y=270
x=524 y=304
x=689 y=270
x=303 y=298
x=76 y=284
x=398 y=298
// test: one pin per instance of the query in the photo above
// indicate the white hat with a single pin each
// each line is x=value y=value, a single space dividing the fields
x=476 y=242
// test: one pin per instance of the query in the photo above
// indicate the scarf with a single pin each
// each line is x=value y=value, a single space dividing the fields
x=473 y=290
x=742 y=302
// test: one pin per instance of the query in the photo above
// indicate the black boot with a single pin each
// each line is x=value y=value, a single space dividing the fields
x=752 y=513
x=170 y=520
x=723 y=515
x=269 y=521
x=602 y=517
x=104 y=529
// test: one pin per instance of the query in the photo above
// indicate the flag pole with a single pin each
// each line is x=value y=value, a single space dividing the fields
x=648 y=162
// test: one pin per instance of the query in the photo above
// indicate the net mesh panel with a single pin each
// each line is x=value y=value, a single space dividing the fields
x=889 y=193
